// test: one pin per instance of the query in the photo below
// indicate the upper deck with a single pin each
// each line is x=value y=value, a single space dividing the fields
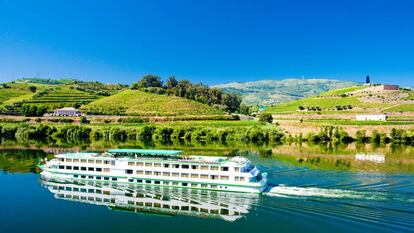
x=155 y=155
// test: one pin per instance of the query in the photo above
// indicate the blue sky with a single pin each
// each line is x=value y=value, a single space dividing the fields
x=208 y=41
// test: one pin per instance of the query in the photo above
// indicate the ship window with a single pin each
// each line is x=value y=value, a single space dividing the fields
x=224 y=178
x=76 y=160
x=237 y=178
x=139 y=181
x=166 y=183
x=91 y=169
x=139 y=172
x=98 y=161
x=203 y=185
x=131 y=164
x=185 y=166
x=204 y=210
x=193 y=208
x=166 y=174
x=140 y=164
x=91 y=161
x=148 y=181
x=83 y=177
x=176 y=165
x=213 y=186
x=148 y=164
x=76 y=168
x=90 y=177
x=213 y=177
x=83 y=168
x=76 y=189
x=75 y=176
x=130 y=180
x=98 y=169
x=224 y=211
x=157 y=182
x=69 y=160
x=165 y=206
x=106 y=178
x=225 y=169
x=175 y=174
x=113 y=162
x=69 y=167
x=91 y=191
x=106 y=170
x=148 y=173
x=194 y=167
x=204 y=176
x=61 y=159
x=83 y=160
x=129 y=171
x=157 y=164
x=166 y=165
x=175 y=183
x=61 y=167
x=241 y=178
x=214 y=168
x=107 y=162
x=184 y=175
x=185 y=208
x=237 y=169
x=98 y=177
x=194 y=175
x=204 y=167
x=114 y=179
x=194 y=185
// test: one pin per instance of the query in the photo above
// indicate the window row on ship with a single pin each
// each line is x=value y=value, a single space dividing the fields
x=156 y=173
x=155 y=164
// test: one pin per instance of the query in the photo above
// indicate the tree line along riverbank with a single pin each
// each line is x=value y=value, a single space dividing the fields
x=203 y=131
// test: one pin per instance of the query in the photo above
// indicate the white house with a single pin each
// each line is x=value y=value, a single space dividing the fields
x=371 y=117
x=67 y=112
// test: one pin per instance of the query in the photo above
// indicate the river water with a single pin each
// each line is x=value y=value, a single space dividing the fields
x=311 y=190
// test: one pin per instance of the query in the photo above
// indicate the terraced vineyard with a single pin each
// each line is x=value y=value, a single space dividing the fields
x=134 y=102
x=357 y=99
x=61 y=96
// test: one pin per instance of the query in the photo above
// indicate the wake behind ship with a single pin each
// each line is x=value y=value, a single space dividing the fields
x=159 y=167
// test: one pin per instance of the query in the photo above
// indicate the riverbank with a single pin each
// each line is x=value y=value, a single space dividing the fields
x=220 y=131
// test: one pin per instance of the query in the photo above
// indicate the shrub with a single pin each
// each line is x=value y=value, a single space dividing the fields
x=265 y=117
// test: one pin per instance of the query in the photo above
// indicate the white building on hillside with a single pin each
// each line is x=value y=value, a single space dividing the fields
x=67 y=112
x=371 y=117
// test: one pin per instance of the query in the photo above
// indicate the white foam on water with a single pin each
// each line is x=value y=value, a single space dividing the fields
x=293 y=191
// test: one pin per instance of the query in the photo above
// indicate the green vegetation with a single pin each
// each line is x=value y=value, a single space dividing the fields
x=402 y=108
x=341 y=91
x=184 y=88
x=139 y=103
x=265 y=117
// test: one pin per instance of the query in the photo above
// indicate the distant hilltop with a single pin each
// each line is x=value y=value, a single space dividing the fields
x=270 y=92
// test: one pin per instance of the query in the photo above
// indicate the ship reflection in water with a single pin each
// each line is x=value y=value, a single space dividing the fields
x=155 y=199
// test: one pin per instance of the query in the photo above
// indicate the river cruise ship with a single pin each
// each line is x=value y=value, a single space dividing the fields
x=159 y=167
x=151 y=199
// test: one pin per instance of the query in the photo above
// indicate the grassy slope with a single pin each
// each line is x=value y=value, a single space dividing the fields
x=134 y=102
x=328 y=100
x=15 y=91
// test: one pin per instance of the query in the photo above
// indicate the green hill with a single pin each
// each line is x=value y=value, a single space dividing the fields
x=356 y=99
x=134 y=102
x=269 y=92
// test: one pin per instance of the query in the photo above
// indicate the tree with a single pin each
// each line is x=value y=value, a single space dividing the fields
x=265 y=117
x=232 y=101
x=149 y=80
x=33 y=89
x=171 y=82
